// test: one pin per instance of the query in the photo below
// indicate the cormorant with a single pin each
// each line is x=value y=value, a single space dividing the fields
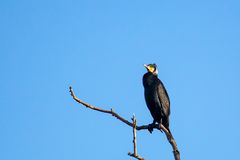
x=156 y=97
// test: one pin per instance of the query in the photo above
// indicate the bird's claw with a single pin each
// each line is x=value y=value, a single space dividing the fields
x=150 y=128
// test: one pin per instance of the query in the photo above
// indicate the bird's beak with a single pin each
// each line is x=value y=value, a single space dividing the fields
x=146 y=66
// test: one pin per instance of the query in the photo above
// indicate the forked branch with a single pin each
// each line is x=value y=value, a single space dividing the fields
x=156 y=126
x=134 y=154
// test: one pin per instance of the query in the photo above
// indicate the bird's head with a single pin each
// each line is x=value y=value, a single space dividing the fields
x=152 y=68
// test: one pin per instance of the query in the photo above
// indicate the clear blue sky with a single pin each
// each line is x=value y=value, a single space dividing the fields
x=99 y=47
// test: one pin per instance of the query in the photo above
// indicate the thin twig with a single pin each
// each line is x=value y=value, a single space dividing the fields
x=134 y=154
x=134 y=135
x=156 y=126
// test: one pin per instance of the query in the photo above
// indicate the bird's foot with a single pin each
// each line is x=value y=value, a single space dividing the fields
x=150 y=127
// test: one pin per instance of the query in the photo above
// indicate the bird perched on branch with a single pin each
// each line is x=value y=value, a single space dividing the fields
x=156 y=97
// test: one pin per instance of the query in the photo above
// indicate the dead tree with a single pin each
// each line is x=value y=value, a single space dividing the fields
x=132 y=124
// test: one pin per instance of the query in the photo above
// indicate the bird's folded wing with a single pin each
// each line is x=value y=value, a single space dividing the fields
x=164 y=99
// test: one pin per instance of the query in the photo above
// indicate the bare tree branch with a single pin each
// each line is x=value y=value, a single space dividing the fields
x=157 y=126
x=134 y=154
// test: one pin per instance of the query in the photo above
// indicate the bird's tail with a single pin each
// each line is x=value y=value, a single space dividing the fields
x=166 y=124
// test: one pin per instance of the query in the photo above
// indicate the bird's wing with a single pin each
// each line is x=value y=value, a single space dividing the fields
x=164 y=99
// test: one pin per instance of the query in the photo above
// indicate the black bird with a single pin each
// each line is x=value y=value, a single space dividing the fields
x=156 y=97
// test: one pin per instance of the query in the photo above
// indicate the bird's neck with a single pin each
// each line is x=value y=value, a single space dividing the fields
x=149 y=79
